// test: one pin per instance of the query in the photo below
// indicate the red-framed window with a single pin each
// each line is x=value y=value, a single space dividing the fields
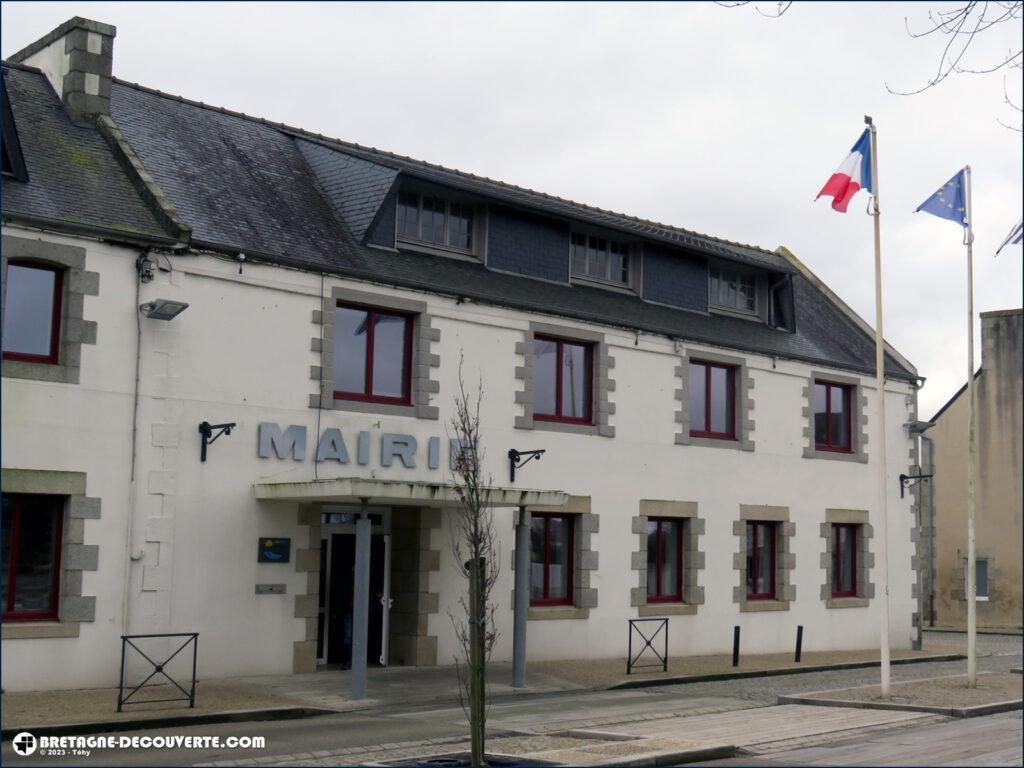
x=372 y=355
x=844 y=564
x=832 y=420
x=712 y=400
x=32 y=312
x=665 y=559
x=563 y=380
x=552 y=541
x=761 y=560
x=31 y=531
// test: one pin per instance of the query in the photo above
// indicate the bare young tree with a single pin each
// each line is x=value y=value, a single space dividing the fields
x=477 y=557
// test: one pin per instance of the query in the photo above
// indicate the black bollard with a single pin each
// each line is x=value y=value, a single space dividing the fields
x=735 y=646
x=799 y=642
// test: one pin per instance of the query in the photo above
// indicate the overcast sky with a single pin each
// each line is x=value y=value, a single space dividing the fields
x=715 y=119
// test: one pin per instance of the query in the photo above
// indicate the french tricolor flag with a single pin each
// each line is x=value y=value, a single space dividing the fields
x=854 y=174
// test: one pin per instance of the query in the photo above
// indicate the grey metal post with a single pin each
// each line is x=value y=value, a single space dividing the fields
x=361 y=603
x=522 y=600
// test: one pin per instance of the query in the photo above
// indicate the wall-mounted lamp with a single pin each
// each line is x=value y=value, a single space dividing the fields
x=162 y=309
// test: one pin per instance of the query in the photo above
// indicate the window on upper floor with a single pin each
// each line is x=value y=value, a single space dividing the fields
x=551 y=559
x=712 y=394
x=372 y=355
x=435 y=221
x=665 y=559
x=761 y=560
x=31 y=556
x=732 y=289
x=832 y=407
x=596 y=257
x=32 y=312
x=563 y=374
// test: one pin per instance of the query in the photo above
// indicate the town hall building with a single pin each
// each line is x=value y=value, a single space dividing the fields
x=230 y=354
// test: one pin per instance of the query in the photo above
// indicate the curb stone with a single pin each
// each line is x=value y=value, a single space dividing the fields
x=963 y=712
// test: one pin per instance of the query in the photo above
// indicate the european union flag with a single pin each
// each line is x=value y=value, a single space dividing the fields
x=949 y=202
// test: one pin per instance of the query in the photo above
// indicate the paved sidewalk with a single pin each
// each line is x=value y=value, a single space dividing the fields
x=390 y=686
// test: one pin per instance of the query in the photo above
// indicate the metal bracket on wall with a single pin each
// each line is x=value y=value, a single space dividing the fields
x=206 y=430
x=907 y=480
x=516 y=460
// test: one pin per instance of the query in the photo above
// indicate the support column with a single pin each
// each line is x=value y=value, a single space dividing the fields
x=522 y=600
x=361 y=603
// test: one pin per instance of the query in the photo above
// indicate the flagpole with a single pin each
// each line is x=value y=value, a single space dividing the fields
x=883 y=516
x=971 y=586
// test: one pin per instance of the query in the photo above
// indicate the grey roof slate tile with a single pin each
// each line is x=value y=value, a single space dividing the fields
x=355 y=187
x=75 y=180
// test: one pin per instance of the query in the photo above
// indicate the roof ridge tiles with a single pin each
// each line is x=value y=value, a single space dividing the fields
x=351 y=145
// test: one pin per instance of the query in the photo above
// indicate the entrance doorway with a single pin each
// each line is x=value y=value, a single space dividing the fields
x=337 y=583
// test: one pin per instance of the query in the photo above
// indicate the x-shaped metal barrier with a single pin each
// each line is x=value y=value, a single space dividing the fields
x=159 y=668
x=648 y=640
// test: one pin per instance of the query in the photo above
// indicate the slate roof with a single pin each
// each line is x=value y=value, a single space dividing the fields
x=355 y=187
x=277 y=194
x=75 y=180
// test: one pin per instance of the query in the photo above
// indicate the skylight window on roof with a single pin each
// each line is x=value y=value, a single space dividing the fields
x=13 y=160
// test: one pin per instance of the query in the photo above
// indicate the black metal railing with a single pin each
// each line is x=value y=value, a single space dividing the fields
x=159 y=668
x=648 y=644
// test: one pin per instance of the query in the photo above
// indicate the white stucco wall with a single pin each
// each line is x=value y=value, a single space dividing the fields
x=241 y=353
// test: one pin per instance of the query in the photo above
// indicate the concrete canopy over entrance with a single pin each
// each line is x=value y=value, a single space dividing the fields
x=397 y=493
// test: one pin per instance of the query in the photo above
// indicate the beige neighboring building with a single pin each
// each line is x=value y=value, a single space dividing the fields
x=999 y=496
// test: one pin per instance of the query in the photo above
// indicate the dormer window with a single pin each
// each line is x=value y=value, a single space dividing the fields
x=435 y=221
x=733 y=290
x=596 y=257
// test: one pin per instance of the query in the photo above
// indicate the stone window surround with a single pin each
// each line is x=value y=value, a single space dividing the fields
x=693 y=558
x=75 y=557
x=958 y=584
x=603 y=383
x=785 y=558
x=74 y=329
x=858 y=419
x=585 y=560
x=744 y=404
x=424 y=362
x=865 y=557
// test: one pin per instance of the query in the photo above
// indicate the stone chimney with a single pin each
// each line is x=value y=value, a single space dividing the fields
x=76 y=57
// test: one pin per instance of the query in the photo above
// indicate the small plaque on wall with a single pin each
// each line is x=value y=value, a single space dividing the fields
x=273 y=550
x=271 y=589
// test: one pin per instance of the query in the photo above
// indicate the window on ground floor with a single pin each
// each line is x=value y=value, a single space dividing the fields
x=761 y=560
x=980 y=577
x=551 y=559
x=31 y=531
x=844 y=569
x=665 y=559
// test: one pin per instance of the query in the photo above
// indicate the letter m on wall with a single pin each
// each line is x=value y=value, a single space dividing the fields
x=290 y=442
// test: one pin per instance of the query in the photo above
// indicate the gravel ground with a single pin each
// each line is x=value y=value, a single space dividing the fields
x=940 y=692
x=521 y=745
x=52 y=708
x=595 y=673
